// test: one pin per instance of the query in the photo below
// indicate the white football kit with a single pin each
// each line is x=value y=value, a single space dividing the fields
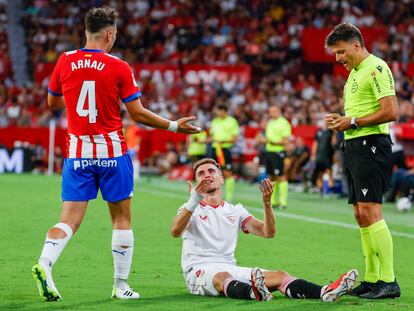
x=209 y=243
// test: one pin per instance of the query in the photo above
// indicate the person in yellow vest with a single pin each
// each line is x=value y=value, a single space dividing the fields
x=224 y=132
x=277 y=134
x=370 y=103
x=197 y=147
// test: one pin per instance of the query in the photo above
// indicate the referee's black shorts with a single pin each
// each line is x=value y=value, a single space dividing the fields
x=368 y=167
x=274 y=162
x=228 y=161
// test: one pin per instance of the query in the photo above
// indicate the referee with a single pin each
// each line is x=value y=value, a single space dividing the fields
x=369 y=104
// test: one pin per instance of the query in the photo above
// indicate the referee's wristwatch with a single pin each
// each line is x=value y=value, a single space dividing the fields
x=354 y=125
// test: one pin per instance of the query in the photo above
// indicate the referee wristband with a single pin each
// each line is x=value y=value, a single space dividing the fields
x=173 y=126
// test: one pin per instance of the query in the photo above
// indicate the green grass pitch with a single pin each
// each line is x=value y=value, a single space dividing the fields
x=317 y=239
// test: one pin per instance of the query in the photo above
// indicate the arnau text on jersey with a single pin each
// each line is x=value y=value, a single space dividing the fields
x=87 y=63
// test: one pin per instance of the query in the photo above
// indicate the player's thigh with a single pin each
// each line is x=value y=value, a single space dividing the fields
x=79 y=180
x=120 y=214
x=242 y=274
x=200 y=280
x=72 y=213
x=116 y=178
x=369 y=168
x=271 y=163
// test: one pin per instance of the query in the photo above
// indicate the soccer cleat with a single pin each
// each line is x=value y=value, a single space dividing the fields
x=383 y=290
x=124 y=293
x=43 y=277
x=341 y=286
x=362 y=288
x=260 y=291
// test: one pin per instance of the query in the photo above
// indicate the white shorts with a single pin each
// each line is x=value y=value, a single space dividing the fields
x=199 y=279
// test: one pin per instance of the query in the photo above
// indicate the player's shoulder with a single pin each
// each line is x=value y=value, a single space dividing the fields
x=116 y=60
x=233 y=206
x=377 y=63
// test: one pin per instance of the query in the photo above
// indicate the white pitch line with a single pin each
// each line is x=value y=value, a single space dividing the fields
x=292 y=216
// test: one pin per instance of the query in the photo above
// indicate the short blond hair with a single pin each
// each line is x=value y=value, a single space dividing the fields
x=197 y=164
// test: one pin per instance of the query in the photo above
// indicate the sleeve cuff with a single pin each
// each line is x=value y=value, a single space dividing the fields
x=53 y=93
x=245 y=221
x=131 y=97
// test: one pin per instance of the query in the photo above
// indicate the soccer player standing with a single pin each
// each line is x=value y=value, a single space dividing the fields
x=224 y=132
x=278 y=132
x=369 y=104
x=89 y=83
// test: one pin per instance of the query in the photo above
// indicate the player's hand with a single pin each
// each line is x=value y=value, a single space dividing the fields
x=201 y=188
x=187 y=128
x=266 y=187
x=340 y=124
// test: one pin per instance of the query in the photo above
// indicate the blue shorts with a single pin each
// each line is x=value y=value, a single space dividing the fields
x=81 y=179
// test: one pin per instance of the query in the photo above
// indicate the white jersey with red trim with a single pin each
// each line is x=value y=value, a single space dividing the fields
x=211 y=235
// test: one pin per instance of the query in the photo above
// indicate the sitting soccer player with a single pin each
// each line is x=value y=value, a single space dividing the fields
x=209 y=228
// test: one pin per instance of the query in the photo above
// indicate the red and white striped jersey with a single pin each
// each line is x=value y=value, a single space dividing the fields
x=92 y=82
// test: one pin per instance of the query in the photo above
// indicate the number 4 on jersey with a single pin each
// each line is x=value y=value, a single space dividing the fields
x=88 y=88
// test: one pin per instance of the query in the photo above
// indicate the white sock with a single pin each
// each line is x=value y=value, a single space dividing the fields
x=122 y=250
x=54 y=247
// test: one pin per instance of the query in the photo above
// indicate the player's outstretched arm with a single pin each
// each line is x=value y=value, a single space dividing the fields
x=55 y=102
x=181 y=221
x=142 y=115
x=267 y=227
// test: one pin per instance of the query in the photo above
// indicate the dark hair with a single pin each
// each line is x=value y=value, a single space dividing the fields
x=197 y=164
x=99 y=18
x=222 y=107
x=344 y=32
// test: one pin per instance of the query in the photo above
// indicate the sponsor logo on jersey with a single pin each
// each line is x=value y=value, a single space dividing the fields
x=203 y=217
x=377 y=86
x=379 y=68
x=354 y=87
x=231 y=218
x=94 y=162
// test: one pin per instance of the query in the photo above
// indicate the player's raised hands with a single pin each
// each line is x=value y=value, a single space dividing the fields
x=200 y=188
x=266 y=187
x=187 y=128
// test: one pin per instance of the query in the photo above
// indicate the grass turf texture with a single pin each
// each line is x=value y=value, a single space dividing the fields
x=317 y=240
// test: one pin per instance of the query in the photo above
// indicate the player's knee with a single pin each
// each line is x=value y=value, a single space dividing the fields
x=218 y=280
x=61 y=231
x=282 y=274
x=368 y=213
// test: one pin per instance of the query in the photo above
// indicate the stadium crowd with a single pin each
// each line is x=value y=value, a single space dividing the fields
x=264 y=35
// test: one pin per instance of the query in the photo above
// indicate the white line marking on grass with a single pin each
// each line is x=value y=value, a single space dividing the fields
x=290 y=215
x=325 y=221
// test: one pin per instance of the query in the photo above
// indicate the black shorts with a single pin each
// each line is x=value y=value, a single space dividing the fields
x=274 y=162
x=227 y=158
x=320 y=167
x=368 y=168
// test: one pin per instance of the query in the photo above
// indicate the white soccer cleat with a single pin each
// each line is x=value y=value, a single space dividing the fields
x=340 y=287
x=259 y=286
x=43 y=277
x=124 y=293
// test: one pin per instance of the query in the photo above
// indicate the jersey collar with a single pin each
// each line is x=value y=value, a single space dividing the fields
x=363 y=63
x=213 y=206
x=91 y=50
